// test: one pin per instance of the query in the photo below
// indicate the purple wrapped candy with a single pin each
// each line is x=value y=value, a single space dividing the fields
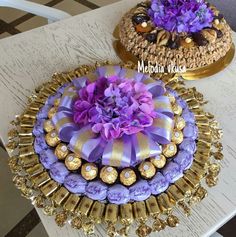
x=191 y=131
x=62 y=88
x=140 y=191
x=172 y=92
x=188 y=116
x=158 y=184
x=38 y=127
x=40 y=144
x=58 y=172
x=75 y=183
x=172 y=172
x=43 y=112
x=52 y=98
x=184 y=159
x=47 y=158
x=96 y=190
x=188 y=145
x=118 y=194
x=181 y=102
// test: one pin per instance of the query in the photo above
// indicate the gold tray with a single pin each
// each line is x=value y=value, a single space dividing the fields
x=196 y=74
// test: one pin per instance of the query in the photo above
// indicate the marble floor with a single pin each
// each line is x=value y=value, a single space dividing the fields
x=17 y=216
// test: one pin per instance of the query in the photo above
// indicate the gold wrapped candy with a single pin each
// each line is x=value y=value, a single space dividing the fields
x=108 y=174
x=147 y=169
x=177 y=109
x=179 y=123
x=127 y=177
x=61 y=151
x=48 y=126
x=52 y=112
x=73 y=161
x=159 y=161
x=169 y=150
x=52 y=138
x=177 y=136
x=89 y=171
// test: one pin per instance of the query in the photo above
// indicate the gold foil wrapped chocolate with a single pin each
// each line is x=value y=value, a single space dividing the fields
x=48 y=126
x=177 y=136
x=127 y=177
x=108 y=174
x=57 y=102
x=177 y=109
x=73 y=162
x=147 y=169
x=111 y=213
x=52 y=138
x=169 y=150
x=159 y=161
x=171 y=98
x=179 y=123
x=52 y=112
x=89 y=171
x=61 y=151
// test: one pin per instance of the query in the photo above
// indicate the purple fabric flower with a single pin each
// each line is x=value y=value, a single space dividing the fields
x=114 y=107
x=181 y=15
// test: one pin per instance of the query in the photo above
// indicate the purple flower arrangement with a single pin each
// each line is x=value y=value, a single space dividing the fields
x=181 y=15
x=114 y=107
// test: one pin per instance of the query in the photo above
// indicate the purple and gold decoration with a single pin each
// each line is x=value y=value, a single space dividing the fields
x=108 y=144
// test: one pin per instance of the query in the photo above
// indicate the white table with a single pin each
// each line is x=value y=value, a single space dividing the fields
x=28 y=59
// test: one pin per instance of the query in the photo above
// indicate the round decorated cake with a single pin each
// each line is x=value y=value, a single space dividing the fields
x=111 y=144
x=183 y=33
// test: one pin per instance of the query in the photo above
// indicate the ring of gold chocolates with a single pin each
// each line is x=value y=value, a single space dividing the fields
x=54 y=198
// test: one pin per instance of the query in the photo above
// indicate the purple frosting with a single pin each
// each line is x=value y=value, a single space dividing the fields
x=191 y=131
x=158 y=184
x=58 y=172
x=96 y=190
x=140 y=191
x=47 y=158
x=38 y=127
x=43 y=112
x=118 y=194
x=75 y=183
x=172 y=92
x=40 y=144
x=188 y=116
x=172 y=172
x=184 y=159
x=52 y=98
x=188 y=145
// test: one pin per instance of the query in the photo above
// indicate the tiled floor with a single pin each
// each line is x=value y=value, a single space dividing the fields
x=14 y=21
x=16 y=211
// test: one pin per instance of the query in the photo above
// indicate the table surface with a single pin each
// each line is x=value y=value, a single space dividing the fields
x=28 y=59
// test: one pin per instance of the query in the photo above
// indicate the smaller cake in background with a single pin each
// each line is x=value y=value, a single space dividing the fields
x=190 y=33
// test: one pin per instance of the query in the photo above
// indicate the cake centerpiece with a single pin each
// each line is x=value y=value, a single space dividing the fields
x=111 y=145
x=182 y=33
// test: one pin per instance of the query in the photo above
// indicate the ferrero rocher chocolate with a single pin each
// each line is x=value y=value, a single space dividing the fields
x=158 y=161
x=52 y=112
x=179 y=123
x=89 y=171
x=177 y=137
x=127 y=177
x=169 y=150
x=48 y=126
x=61 y=151
x=177 y=109
x=108 y=174
x=52 y=138
x=171 y=98
x=147 y=169
x=57 y=102
x=73 y=161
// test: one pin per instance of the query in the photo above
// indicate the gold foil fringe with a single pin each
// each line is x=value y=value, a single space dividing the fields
x=82 y=212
